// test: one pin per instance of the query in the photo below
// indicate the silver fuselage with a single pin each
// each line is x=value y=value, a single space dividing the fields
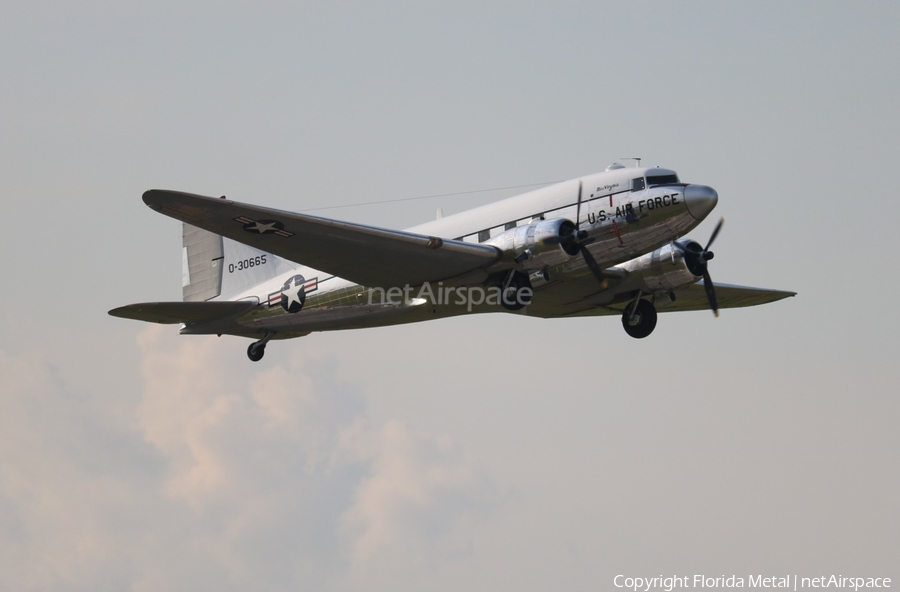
x=623 y=217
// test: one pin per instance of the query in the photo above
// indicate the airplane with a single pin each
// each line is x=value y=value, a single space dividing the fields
x=608 y=243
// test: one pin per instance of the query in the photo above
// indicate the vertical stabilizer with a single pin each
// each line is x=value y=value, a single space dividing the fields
x=202 y=263
x=245 y=267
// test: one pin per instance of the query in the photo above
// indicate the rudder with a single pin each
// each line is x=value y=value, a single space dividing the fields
x=202 y=263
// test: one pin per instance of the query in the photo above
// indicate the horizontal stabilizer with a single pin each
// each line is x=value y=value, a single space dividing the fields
x=170 y=313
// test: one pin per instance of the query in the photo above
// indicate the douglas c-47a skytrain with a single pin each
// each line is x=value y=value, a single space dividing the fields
x=603 y=244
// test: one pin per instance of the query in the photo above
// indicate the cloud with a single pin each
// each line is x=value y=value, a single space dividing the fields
x=417 y=497
x=225 y=476
x=68 y=482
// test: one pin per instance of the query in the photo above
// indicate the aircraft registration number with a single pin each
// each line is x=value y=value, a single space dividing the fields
x=243 y=264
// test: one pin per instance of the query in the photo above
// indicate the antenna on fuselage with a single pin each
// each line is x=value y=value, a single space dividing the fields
x=636 y=159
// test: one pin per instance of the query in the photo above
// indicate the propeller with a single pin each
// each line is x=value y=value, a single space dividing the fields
x=576 y=240
x=697 y=259
x=573 y=240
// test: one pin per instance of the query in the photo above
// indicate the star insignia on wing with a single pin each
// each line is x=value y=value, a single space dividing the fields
x=263 y=226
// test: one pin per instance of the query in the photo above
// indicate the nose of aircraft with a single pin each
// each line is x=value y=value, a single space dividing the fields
x=700 y=200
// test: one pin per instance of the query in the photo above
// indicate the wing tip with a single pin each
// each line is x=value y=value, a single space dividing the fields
x=156 y=198
x=151 y=196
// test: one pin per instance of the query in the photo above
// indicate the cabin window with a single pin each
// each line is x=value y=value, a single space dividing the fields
x=637 y=184
x=509 y=226
x=484 y=235
x=662 y=180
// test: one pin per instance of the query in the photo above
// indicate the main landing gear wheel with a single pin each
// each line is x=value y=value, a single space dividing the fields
x=256 y=352
x=641 y=322
x=516 y=292
x=257 y=349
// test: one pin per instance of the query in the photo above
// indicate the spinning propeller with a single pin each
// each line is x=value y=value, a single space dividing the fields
x=697 y=259
x=574 y=241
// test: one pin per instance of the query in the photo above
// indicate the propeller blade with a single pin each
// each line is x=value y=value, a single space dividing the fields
x=710 y=292
x=594 y=267
x=715 y=233
x=578 y=210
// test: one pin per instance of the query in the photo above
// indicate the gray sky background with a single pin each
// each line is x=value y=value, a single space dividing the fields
x=482 y=453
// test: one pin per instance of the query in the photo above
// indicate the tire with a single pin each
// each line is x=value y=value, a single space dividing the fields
x=512 y=297
x=256 y=352
x=642 y=323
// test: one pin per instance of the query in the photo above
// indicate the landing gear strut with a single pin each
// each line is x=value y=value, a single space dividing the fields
x=258 y=348
x=639 y=319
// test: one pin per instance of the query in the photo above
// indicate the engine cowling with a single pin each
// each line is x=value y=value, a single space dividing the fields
x=538 y=245
x=665 y=269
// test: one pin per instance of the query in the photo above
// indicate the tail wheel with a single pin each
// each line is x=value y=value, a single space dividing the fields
x=642 y=322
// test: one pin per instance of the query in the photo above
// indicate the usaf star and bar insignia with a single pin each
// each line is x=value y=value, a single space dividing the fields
x=292 y=295
x=263 y=226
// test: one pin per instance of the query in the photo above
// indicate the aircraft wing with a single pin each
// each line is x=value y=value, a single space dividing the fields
x=370 y=256
x=691 y=297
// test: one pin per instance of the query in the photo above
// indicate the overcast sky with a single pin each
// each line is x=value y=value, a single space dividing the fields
x=482 y=453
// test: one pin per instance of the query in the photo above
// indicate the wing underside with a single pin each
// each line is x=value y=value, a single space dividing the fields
x=691 y=297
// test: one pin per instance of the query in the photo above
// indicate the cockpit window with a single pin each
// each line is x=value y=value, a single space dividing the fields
x=662 y=180
x=637 y=184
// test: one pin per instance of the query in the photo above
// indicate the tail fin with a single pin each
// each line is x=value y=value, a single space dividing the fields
x=213 y=266
x=202 y=263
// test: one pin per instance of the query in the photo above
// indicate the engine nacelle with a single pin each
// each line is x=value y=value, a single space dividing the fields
x=665 y=269
x=538 y=245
